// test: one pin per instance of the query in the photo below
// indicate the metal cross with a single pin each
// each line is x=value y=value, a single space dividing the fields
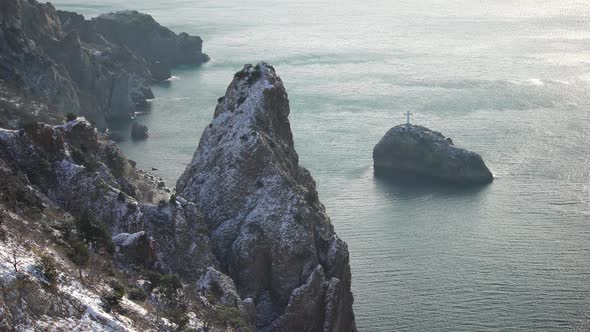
x=408 y=116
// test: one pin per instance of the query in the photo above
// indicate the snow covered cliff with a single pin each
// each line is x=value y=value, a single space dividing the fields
x=267 y=225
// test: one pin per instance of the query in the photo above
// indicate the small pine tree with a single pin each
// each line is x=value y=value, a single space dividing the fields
x=79 y=255
x=137 y=294
x=46 y=265
x=170 y=285
x=94 y=232
x=118 y=288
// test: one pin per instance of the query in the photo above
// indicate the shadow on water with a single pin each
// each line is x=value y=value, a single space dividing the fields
x=410 y=186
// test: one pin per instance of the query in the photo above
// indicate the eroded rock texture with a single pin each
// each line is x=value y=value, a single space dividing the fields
x=267 y=225
x=77 y=171
x=415 y=150
x=98 y=68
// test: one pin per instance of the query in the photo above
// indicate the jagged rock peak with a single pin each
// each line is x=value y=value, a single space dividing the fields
x=269 y=230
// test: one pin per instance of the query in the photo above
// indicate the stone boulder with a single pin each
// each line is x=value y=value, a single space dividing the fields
x=139 y=131
x=218 y=286
x=137 y=249
x=418 y=151
x=268 y=228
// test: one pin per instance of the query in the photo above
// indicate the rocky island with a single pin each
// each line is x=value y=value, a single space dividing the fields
x=418 y=151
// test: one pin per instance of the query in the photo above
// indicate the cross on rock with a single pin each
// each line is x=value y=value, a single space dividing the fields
x=408 y=113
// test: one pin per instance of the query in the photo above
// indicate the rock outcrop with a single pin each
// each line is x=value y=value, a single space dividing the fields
x=268 y=228
x=145 y=37
x=160 y=71
x=99 y=68
x=137 y=249
x=65 y=187
x=81 y=173
x=139 y=131
x=415 y=150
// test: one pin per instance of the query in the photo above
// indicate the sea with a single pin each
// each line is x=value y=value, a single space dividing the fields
x=505 y=78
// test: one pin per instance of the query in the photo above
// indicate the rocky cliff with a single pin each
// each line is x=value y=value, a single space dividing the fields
x=64 y=191
x=267 y=226
x=145 y=37
x=415 y=150
x=99 y=68
x=245 y=242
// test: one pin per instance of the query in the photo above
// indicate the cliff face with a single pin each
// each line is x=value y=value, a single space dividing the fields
x=267 y=225
x=145 y=37
x=416 y=150
x=81 y=173
x=99 y=68
x=62 y=185
x=23 y=64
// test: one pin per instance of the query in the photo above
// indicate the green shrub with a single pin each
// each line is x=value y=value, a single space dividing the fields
x=240 y=74
x=71 y=117
x=118 y=288
x=162 y=204
x=137 y=294
x=111 y=301
x=178 y=316
x=170 y=284
x=78 y=253
x=154 y=278
x=231 y=316
x=173 y=200
x=46 y=265
x=81 y=158
x=96 y=233
x=224 y=315
x=121 y=197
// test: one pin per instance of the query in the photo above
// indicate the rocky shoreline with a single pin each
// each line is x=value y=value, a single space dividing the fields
x=243 y=243
x=100 y=68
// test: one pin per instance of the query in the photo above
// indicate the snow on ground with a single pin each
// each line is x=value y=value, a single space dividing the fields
x=94 y=317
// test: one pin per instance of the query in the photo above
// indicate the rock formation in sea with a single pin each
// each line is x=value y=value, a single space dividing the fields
x=267 y=226
x=139 y=131
x=99 y=68
x=418 y=151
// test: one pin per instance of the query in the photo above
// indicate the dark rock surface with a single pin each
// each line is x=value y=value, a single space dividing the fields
x=81 y=173
x=415 y=150
x=268 y=227
x=139 y=131
x=148 y=39
x=138 y=249
x=85 y=66
x=160 y=71
x=53 y=175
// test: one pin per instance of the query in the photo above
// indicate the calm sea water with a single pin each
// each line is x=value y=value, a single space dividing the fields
x=509 y=79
